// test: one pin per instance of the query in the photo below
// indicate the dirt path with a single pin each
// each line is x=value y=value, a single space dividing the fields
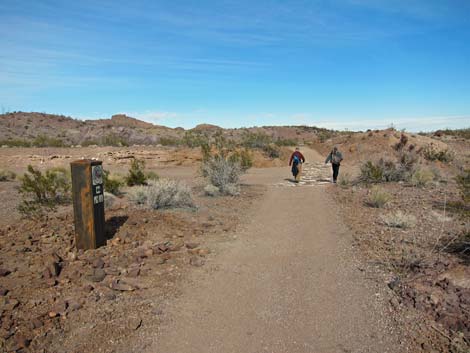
x=287 y=283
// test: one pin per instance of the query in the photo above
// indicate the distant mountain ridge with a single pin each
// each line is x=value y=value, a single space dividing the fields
x=21 y=128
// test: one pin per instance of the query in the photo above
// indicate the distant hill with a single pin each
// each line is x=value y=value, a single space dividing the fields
x=41 y=129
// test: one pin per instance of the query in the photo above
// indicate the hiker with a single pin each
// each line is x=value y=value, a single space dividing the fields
x=335 y=157
x=296 y=161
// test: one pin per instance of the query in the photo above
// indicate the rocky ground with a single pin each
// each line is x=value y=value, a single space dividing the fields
x=57 y=299
x=423 y=264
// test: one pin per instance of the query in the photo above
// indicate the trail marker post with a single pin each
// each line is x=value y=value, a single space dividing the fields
x=88 y=203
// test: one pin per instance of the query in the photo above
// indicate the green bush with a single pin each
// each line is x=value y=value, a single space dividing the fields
x=111 y=184
x=371 y=172
x=136 y=174
x=194 y=139
x=43 y=190
x=87 y=143
x=114 y=140
x=169 y=141
x=431 y=153
x=272 y=151
x=7 y=175
x=243 y=157
x=256 y=140
x=463 y=183
x=378 y=198
x=15 y=143
x=46 y=141
x=387 y=170
x=151 y=175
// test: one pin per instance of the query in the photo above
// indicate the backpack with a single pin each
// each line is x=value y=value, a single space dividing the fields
x=296 y=160
x=335 y=158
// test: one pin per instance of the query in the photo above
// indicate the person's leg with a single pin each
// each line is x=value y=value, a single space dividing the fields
x=335 y=171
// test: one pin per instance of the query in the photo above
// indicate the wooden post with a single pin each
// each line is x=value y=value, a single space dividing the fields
x=88 y=203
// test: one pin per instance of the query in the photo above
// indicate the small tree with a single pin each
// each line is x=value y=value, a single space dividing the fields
x=136 y=174
x=43 y=190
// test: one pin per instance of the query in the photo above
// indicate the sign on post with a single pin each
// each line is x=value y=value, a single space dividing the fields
x=88 y=203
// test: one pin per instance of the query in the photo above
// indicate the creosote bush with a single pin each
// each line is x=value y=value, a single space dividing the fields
x=399 y=219
x=136 y=174
x=378 y=198
x=162 y=194
x=41 y=191
x=112 y=184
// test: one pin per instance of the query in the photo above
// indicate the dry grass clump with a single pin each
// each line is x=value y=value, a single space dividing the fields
x=162 y=194
x=378 y=198
x=399 y=219
x=7 y=175
x=344 y=180
x=422 y=177
x=431 y=153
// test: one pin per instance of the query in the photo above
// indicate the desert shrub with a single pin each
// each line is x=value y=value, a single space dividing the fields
x=169 y=141
x=378 y=198
x=7 y=175
x=151 y=175
x=286 y=142
x=463 y=133
x=407 y=160
x=463 y=183
x=114 y=140
x=40 y=190
x=232 y=189
x=15 y=143
x=272 y=151
x=109 y=200
x=221 y=171
x=112 y=184
x=46 y=141
x=422 y=177
x=136 y=174
x=371 y=172
x=431 y=153
x=87 y=143
x=402 y=143
x=194 y=139
x=211 y=190
x=344 y=180
x=324 y=135
x=256 y=140
x=163 y=193
x=388 y=171
x=399 y=219
x=243 y=158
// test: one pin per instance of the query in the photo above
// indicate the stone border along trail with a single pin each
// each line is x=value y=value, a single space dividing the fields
x=288 y=283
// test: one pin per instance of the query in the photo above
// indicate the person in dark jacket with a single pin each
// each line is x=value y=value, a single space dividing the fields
x=335 y=157
x=296 y=160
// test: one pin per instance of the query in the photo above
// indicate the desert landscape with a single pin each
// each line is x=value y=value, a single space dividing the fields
x=211 y=246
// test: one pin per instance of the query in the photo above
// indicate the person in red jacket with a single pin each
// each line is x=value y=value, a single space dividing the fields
x=296 y=160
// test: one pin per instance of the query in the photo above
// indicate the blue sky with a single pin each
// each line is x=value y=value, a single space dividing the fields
x=352 y=64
